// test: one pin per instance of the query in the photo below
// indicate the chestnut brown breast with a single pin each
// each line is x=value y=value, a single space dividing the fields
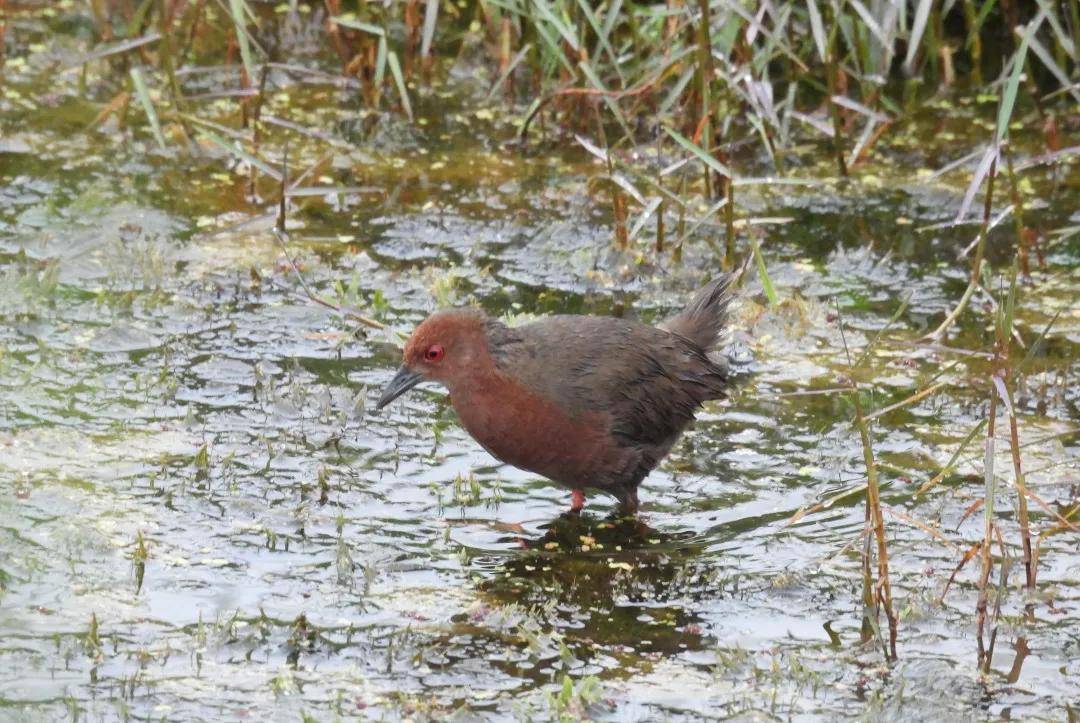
x=523 y=429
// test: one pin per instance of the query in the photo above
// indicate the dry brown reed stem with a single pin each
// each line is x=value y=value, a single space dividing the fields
x=412 y=35
x=618 y=200
x=168 y=62
x=568 y=89
x=922 y=526
x=642 y=87
x=873 y=502
x=505 y=46
x=116 y=105
x=1002 y=376
x=256 y=128
x=1021 y=486
x=1062 y=521
x=870 y=623
x=971 y=552
x=333 y=9
x=879 y=595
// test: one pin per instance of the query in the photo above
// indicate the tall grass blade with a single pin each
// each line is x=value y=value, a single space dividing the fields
x=592 y=148
x=240 y=153
x=123 y=46
x=845 y=102
x=594 y=80
x=510 y=68
x=1010 y=304
x=817 y=29
x=554 y=47
x=646 y=213
x=1008 y=96
x=1035 y=344
x=624 y=183
x=236 y=8
x=766 y=282
x=601 y=34
x=936 y=479
x=143 y=94
x=870 y=22
x=380 y=62
x=704 y=157
x=1044 y=55
x=981 y=172
x=560 y=27
x=431 y=17
x=359 y=25
x=1060 y=34
x=676 y=92
x=399 y=80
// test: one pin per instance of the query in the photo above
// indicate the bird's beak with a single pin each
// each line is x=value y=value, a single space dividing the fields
x=403 y=381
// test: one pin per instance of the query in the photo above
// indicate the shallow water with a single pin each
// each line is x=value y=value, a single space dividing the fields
x=201 y=517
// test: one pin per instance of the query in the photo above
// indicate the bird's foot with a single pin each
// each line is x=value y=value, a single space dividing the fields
x=577 y=500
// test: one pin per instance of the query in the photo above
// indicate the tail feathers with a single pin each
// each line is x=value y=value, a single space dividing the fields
x=703 y=319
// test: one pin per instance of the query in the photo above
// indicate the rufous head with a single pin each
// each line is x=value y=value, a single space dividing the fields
x=446 y=347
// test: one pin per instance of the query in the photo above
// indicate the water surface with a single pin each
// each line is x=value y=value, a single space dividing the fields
x=201 y=516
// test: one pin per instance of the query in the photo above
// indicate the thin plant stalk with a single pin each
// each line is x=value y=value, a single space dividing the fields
x=660 y=228
x=879 y=595
x=729 y=222
x=1002 y=377
x=989 y=484
x=705 y=70
x=238 y=11
x=618 y=200
x=873 y=504
x=977 y=262
x=1021 y=490
x=143 y=94
x=1003 y=581
x=832 y=80
x=974 y=42
x=1022 y=235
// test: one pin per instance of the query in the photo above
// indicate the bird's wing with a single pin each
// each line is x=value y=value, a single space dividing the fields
x=646 y=380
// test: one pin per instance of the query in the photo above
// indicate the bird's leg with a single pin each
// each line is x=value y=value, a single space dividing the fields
x=628 y=502
x=577 y=500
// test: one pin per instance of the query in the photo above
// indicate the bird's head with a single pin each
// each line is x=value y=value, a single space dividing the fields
x=447 y=347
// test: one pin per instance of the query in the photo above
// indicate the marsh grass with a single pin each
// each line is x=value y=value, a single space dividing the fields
x=877 y=588
x=681 y=102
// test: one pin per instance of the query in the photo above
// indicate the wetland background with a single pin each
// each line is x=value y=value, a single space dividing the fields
x=200 y=518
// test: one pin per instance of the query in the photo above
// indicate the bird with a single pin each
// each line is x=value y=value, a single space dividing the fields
x=589 y=402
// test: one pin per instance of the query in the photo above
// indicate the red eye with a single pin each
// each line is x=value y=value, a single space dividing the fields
x=434 y=353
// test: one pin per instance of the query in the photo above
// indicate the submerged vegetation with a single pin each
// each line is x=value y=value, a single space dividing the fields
x=896 y=180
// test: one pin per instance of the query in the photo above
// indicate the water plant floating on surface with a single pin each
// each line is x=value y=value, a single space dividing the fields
x=589 y=402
